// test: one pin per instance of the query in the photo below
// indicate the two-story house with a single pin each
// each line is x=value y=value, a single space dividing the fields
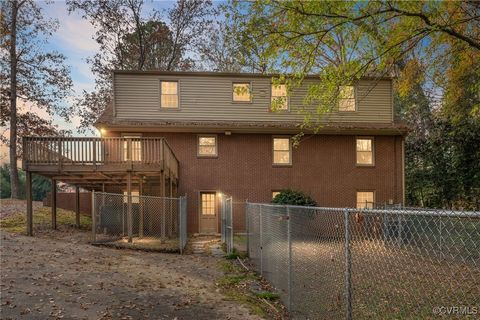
x=221 y=128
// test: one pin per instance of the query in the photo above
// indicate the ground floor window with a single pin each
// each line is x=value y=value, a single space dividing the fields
x=207 y=146
x=365 y=199
x=135 y=197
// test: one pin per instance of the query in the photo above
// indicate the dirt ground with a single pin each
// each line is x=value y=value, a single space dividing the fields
x=63 y=277
x=10 y=207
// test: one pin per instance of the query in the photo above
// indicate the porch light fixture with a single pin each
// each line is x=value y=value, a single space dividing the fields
x=228 y=133
x=102 y=131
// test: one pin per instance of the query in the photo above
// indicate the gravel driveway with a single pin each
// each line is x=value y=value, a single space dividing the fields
x=46 y=278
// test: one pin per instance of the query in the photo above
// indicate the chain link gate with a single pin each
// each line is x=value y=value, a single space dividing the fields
x=143 y=222
x=227 y=223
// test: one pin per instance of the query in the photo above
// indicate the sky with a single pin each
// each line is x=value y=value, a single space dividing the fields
x=74 y=39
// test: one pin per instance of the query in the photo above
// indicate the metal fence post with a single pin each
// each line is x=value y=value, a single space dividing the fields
x=180 y=228
x=261 y=243
x=348 y=267
x=440 y=237
x=247 y=227
x=222 y=217
x=289 y=237
x=94 y=218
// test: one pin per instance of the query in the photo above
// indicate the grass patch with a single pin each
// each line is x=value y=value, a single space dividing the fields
x=237 y=285
x=228 y=267
x=267 y=295
x=240 y=239
x=42 y=218
x=236 y=254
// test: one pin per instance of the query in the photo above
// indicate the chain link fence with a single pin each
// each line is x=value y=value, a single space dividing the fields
x=329 y=263
x=143 y=222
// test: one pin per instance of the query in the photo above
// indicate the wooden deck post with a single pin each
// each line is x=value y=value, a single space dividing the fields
x=162 y=185
x=54 y=204
x=140 y=204
x=170 y=207
x=94 y=217
x=28 y=176
x=77 y=206
x=129 y=207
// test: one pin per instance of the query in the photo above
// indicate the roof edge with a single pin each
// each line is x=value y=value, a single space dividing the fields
x=229 y=74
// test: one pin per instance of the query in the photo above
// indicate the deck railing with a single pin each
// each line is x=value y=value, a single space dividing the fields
x=98 y=151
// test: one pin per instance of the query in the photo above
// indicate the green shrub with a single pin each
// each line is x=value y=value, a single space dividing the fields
x=292 y=197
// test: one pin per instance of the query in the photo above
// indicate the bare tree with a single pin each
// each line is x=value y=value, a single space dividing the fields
x=34 y=76
x=130 y=39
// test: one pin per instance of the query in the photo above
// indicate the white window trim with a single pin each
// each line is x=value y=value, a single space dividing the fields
x=289 y=150
x=178 y=94
x=365 y=190
x=287 y=96
x=373 y=151
x=251 y=91
x=354 y=98
x=198 y=145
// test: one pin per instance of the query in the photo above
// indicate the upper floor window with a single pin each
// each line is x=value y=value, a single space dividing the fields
x=282 y=151
x=346 y=100
x=169 y=94
x=132 y=148
x=279 y=97
x=207 y=146
x=365 y=199
x=242 y=92
x=365 y=151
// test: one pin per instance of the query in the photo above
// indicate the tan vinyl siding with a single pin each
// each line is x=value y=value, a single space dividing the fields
x=203 y=98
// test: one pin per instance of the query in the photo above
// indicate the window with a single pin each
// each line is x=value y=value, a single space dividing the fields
x=346 y=100
x=169 y=94
x=241 y=92
x=279 y=97
x=365 y=151
x=208 y=203
x=136 y=145
x=282 y=151
x=275 y=193
x=365 y=199
x=135 y=197
x=207 y=146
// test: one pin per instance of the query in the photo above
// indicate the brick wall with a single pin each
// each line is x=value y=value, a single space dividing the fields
x=66 y=200
x=323 y=166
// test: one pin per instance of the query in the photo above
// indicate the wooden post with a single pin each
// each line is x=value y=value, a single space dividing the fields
x=140 y=204
x=170 y=207
x=129 y=207
x=77 y=206
x=94 y=218
x=28 y=176
x=54 y=204
x=162 y=184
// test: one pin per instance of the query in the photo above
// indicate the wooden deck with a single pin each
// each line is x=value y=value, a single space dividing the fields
x=94 y=163
x=79 y=160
